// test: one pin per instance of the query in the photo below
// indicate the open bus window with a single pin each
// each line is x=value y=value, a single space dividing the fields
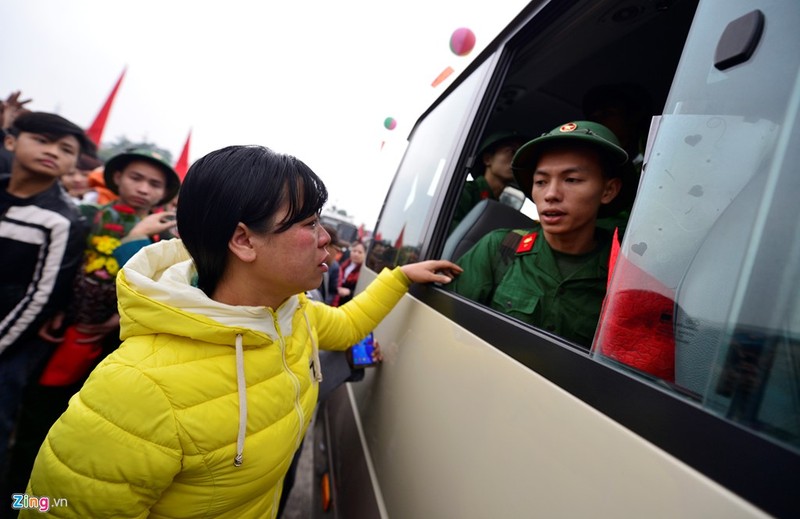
x=591 y=64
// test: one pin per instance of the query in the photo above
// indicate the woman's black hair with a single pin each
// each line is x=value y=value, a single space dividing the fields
x=246 y=184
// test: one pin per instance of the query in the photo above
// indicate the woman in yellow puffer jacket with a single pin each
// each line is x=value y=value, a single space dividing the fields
x=200 y=410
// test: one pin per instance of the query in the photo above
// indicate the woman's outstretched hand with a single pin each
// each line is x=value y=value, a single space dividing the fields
x=431 y=271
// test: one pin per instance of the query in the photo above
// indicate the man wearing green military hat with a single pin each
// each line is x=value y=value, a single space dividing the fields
x=492 y=172
x=143 y=181
x=553 y=276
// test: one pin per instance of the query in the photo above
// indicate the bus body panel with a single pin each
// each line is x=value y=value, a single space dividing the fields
x=474 y=433
x=475 y=414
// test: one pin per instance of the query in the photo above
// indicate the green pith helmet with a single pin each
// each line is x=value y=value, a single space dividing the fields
x=491 y=142
x=588 y=132
x=500 y=137
x=121 y=161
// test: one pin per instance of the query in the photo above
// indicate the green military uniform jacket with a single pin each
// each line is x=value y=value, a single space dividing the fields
x=532 y=289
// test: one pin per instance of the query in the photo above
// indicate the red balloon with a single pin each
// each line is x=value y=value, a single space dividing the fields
x=462 y=41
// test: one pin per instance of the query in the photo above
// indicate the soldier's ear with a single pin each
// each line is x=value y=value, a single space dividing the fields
x=611 y=190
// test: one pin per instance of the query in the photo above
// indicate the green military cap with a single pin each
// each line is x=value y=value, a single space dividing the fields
x=588 y=132
x=121 y=161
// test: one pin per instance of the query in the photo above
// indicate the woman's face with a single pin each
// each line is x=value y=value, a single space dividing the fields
x=293 y=261
x=357 y=254
x=76 y=182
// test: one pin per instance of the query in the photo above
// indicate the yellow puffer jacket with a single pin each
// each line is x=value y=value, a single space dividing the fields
x=165 y=427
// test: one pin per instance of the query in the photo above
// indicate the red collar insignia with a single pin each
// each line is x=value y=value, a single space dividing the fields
x=484 y=195
x=526 y=244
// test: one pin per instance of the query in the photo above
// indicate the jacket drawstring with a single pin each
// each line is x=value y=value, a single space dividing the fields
x=241 y=385
x=314 y=352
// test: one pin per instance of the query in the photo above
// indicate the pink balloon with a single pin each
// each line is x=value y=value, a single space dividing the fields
x=462 y=41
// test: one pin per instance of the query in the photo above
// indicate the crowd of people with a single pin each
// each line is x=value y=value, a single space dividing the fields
x=192 y=365
x=109 y=324
x=61 y=316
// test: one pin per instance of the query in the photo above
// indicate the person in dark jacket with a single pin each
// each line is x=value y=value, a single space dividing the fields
x=492 y=172
x=42 y=237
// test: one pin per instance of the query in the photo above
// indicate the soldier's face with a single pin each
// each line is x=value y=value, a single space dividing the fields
x=141 y=185
x=568 y=190
x=499 y=162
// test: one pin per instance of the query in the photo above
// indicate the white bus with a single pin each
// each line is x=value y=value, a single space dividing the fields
x=474 y=414
x=343 y=223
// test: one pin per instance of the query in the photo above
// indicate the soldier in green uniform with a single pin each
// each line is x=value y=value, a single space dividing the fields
x=492 y=174
x=553 y=276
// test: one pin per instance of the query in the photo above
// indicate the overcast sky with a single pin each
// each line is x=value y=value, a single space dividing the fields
x=315 y=79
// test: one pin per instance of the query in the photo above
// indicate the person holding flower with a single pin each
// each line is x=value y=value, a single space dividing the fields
x=143 y=181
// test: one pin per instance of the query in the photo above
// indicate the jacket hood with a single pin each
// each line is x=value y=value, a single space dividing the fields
x=156 y=295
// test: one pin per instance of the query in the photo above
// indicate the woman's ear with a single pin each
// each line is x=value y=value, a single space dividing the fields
x=613 y=186
x=240 y=244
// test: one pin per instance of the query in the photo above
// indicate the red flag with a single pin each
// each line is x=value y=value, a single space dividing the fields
x=95 y=131
x=182 y=166
x=361 y=232
x=399 y=243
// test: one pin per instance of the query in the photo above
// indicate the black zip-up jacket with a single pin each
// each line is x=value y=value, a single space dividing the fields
x=42 y=239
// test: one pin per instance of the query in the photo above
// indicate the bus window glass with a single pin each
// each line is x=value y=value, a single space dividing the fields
x=704 y=295
x=399 y=233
